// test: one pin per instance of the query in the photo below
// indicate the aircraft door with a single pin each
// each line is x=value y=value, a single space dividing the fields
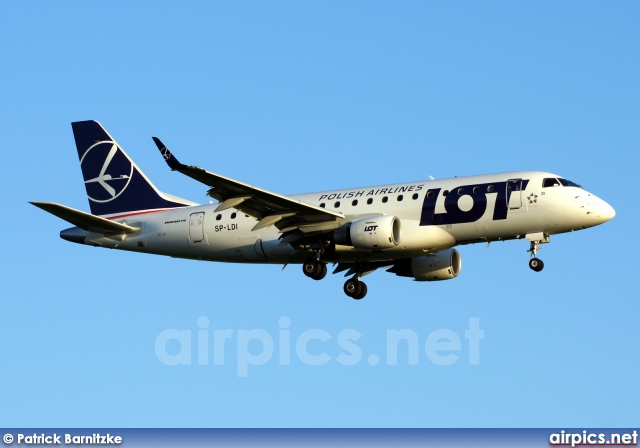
x=514 y=193
x=196 y=227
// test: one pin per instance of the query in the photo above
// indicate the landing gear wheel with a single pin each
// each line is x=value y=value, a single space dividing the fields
x=363 y=292
x=352 y=287
x=322 y=272
x=355 y=289
x=314 y=269
x=536 y=264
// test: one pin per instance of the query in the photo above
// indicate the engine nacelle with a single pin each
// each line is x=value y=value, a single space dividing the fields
x=443 y=265
x=376 y=232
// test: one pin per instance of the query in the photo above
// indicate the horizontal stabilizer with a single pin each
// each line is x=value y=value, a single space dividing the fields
x=84 y=220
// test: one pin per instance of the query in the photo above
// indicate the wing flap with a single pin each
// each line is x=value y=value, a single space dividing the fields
x=84 y=220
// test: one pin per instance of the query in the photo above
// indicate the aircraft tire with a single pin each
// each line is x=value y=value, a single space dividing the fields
x=363 y=292
x=322 y=272
x=353 y=288
x=311 y=267
x=536 y=264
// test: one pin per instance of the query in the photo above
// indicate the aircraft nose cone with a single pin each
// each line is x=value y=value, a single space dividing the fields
x=606 y=212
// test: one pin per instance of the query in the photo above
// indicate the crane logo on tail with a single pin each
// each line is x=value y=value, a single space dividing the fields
x=107 y=171
x=165 y=153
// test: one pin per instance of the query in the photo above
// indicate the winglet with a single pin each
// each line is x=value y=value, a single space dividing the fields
x=171 y=160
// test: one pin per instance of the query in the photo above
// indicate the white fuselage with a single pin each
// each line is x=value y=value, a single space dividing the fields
x=474 y=209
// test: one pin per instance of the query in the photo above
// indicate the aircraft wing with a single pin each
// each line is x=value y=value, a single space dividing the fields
x=268 y=207
x=84 y=220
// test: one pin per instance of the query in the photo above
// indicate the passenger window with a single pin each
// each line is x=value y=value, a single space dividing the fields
x=370 y=201
x=322 y=205
x=476 y=190
x=233 y=215
x=218 y=217
x=445 y=192
x=430 y=194
x=550 y=182
x=460 y=191
x=385 y=199
x=490 y=189
x=336 y=205
x=400 y=198
x=355 y=202
x=415 y=196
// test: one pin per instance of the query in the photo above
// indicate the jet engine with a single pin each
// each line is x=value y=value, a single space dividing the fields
x=376 y=232
x=443 y=265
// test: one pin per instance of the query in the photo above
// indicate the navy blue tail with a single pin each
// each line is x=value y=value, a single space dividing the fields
x=115 y=185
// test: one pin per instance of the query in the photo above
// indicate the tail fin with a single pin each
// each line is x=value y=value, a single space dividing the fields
x=113 y=181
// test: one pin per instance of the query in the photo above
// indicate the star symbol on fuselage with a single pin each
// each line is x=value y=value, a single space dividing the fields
x=532 y=198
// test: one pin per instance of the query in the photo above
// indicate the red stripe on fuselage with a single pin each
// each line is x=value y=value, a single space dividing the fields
x=142 y=213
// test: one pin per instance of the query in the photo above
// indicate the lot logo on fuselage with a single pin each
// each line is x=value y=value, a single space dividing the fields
x=471 y=209
x=106 y=170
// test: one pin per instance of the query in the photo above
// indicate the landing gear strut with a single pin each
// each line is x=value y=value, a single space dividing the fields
x=355 y=288
x=535 y=263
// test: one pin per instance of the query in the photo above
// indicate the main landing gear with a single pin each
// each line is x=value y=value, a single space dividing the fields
x=314 y=269
x=317 y=270
x=355 y=288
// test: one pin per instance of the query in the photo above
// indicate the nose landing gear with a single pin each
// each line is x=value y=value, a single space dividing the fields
x=537 y=238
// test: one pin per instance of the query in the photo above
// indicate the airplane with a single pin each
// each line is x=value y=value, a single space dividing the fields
x=411 y=228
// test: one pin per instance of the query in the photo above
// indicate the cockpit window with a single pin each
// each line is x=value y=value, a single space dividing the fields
x=550 y=182
x=568 y=183
x=553 y=182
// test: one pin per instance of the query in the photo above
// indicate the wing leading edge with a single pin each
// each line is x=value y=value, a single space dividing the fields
x=268 y=207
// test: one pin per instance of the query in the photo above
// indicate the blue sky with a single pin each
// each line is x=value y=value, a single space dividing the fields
x=296 y=97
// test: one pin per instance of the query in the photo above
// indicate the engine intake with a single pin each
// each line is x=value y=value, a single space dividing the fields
x=443 y=265
x=378 y=232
